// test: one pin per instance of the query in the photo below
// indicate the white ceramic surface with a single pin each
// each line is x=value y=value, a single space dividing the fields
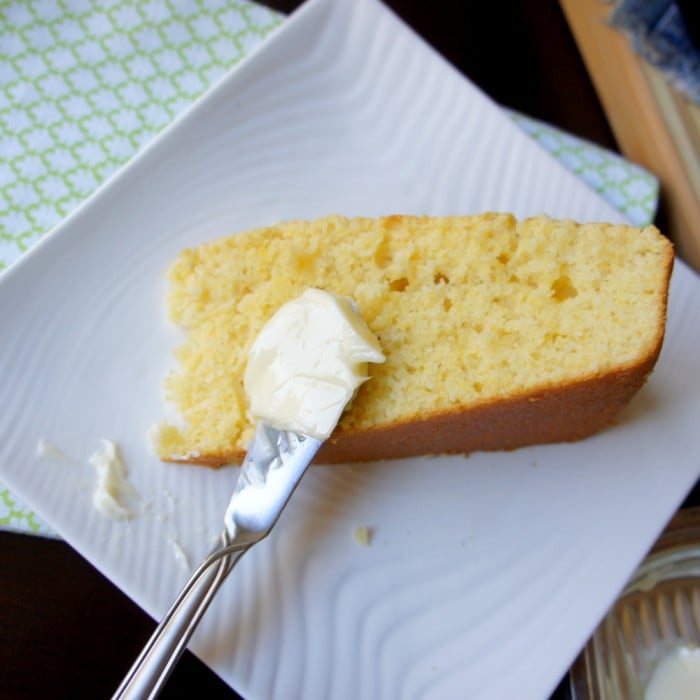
x=486 y=574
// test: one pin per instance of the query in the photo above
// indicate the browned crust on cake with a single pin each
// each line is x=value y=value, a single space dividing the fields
x=552 y=414
x=557 y=413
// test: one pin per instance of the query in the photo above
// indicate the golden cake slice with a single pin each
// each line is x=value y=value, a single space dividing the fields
x=497 y=333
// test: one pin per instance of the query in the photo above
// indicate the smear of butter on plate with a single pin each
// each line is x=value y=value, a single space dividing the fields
x=46 y=448
x=112 y=483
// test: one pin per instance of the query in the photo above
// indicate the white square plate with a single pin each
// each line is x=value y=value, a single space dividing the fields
x=487 y=574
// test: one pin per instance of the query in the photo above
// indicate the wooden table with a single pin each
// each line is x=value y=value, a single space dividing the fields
x=65 y=630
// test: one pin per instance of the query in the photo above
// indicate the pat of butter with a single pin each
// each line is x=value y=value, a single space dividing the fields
x=308 y=361
x=676 y=676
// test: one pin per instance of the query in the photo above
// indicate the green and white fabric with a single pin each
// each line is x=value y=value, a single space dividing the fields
x=84 y=84
x=630 y=189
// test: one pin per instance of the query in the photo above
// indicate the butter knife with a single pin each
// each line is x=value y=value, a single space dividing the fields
x=275 y=462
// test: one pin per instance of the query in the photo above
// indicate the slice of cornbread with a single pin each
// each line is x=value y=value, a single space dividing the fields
x=497 y=333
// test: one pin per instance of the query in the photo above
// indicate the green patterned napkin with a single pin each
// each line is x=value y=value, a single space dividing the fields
x=634 y=192
x=85 y=84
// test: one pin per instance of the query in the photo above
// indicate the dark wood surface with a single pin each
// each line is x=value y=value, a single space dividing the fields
x=66 y=632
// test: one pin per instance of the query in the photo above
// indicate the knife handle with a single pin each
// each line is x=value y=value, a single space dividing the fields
x=156 y=661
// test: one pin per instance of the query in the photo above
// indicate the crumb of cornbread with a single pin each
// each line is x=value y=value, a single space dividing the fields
x=466 y=309
x=363 y=535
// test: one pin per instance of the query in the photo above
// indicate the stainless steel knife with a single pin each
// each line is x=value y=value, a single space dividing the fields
x=275 y=462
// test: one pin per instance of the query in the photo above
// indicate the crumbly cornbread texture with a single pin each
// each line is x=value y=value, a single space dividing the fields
x=497 y=333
